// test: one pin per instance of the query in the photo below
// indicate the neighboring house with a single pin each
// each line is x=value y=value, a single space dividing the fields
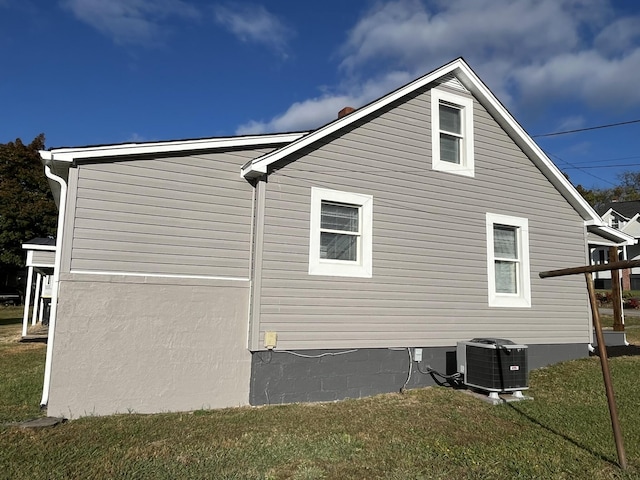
x=625 y=217
x=41 y=261
x=305 y=267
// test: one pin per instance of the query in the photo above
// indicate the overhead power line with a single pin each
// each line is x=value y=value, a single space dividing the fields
x=585 y=129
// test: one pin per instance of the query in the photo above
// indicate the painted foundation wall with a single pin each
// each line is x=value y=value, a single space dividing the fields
x=288 y=377
x=141 y=344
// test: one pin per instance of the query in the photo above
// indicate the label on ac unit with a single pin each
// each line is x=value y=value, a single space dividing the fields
x=514 y=368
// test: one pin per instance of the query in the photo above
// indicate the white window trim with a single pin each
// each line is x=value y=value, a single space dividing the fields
x=466 y=166
x=522 y=299
x=363 y=267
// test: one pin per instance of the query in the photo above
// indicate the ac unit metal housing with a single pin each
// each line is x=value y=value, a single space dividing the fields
x=493 y=364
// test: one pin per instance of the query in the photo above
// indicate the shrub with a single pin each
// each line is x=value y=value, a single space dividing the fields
x=632 y=303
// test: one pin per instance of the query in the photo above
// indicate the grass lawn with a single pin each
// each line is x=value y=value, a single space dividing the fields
x=428 y=433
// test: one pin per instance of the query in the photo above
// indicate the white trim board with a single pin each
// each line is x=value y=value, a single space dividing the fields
x=71 y=154
x=158 y=275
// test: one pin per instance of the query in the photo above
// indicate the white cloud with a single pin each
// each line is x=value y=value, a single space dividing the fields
x=570 y=123
x=408 y=33
x=532 y=51
x=136 y=138
x=314 y=112
x=137 y=22
x=621 y=35
x=253 y=23
x=588 y=76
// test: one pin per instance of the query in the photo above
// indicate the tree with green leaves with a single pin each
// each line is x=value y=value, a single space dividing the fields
x=27 y=209
x=626 y=190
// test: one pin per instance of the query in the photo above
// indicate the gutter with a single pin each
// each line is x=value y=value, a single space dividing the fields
x=56 y=282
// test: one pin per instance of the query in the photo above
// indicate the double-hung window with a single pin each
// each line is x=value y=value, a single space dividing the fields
x=452 y=133
x=340 y=242
x=508 y=261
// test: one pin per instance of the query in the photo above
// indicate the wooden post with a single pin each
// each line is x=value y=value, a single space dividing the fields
x=606 y=374
x=616 y=293
x=602 y=349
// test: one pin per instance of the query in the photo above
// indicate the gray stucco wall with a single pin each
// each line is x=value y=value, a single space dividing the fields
x=147 y=345
x=288 y=377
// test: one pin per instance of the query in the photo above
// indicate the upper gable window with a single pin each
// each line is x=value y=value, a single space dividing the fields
x=508 y=261
x=340 y=242
x=452 y=133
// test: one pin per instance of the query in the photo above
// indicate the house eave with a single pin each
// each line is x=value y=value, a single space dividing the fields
x=481 y=92
x=609 y=233
x=69 y=155
x=260 y=165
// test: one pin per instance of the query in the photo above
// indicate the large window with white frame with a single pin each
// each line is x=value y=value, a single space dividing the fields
x=340 y=242
x=508 y=261
x=452 y=133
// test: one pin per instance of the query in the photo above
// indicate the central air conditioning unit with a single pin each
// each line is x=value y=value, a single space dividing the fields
x=494 y=365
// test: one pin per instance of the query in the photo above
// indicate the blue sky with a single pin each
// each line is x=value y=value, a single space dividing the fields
x=87 y=72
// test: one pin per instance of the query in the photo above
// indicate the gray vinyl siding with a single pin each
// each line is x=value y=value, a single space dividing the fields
x=185 y=216
x=43 y=257
x=429 y=284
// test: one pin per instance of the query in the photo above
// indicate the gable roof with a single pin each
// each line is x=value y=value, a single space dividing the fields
x=459 y=69
x=40 y=243
x=624 y=209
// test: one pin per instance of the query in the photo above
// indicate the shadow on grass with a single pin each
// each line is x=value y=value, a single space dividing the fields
x=564 y=436
x=10 y=321
x=620 y=351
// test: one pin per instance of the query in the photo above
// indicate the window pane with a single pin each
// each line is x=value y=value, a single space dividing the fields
x=336 y=216
x=506 y=277
x=450 y=120
x=449 y=148
x=336 y=246
x=505 y=242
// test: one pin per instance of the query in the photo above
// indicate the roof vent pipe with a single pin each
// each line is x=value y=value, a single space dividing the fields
x=346 y=111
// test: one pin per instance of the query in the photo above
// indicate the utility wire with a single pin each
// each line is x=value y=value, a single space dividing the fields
x=609 y=125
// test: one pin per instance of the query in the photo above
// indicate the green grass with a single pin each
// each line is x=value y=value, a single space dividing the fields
x=428 y=433
x=21 y=370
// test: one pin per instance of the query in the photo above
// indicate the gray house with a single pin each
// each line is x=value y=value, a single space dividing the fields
x=623 y=216
x=311 y=266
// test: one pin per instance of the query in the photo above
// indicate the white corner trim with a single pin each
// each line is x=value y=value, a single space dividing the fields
x=466 y=166
x=522 y=299
x=363 y=267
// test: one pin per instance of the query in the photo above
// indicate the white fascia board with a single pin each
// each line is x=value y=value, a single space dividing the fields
x=260 y=164
x=29 y=246
x=71 y=154
x=482 y=93
x=613 y=234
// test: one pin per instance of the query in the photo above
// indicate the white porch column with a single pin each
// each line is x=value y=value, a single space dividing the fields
x=36 y=299
x=27 y=301
x=40 y=310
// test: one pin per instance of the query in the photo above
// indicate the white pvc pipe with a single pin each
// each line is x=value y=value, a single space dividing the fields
x=55 y=284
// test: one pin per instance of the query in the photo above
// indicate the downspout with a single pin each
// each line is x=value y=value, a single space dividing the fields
x=55 y=285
